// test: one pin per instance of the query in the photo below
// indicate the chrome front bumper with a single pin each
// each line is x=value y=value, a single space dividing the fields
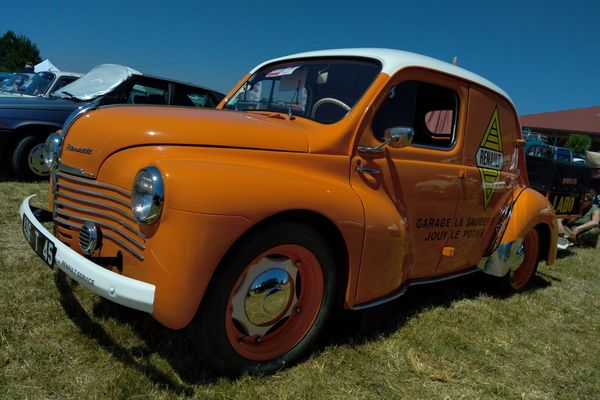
x=112 y=286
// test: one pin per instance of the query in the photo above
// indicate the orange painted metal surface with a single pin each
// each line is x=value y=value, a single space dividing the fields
x=225 y=172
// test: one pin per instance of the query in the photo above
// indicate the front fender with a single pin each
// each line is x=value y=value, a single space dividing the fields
x=206 y=188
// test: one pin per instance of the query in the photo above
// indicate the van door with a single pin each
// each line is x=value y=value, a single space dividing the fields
x=490 y=176
x=409 y=194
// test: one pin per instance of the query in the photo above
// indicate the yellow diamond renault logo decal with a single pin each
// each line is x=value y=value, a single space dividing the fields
x=490 y=158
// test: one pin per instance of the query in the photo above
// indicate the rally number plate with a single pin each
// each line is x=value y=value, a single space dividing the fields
x=39 y=243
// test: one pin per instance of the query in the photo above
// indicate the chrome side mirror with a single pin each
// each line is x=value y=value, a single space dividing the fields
x=396 y=136
x=399 y=136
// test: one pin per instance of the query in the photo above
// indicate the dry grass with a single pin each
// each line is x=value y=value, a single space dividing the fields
x=460 y=339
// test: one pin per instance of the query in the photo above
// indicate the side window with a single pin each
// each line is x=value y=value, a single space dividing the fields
x=146 y=94
x=540 y=151
x=192 y=97
x=431 y=110
x=65 y=80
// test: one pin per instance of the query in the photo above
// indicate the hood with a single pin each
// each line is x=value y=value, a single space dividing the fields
x=37 y=103
x=102 y=132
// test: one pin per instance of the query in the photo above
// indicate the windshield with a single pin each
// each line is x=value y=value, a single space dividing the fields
x=14 y=82
x=38 y=84
x=100 y=80
x=323 y=90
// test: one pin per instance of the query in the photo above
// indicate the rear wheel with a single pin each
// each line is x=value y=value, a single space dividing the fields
x=518 y=279
x=268 y=301
x=28 y=158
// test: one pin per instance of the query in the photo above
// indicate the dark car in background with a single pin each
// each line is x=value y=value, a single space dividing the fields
x=26 y=122
x=553 y=172
x=43 y=84
x=14 y=82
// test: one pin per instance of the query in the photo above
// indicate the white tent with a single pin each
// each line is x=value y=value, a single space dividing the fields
x=45 y=65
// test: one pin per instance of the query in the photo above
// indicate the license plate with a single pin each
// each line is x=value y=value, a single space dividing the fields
x=39 y=243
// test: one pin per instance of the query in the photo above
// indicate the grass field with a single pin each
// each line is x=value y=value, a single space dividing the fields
x=462 y=339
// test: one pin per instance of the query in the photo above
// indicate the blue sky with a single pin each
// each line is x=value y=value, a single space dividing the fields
x=545 y=54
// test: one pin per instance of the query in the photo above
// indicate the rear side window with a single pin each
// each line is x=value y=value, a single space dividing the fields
x=192 y=97
x=563 y=155
x=148 y=94
x=431 y=110
x=540 y=151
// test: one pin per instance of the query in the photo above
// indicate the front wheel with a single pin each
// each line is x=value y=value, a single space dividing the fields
x=268 y=300
x=518 y=279
x=28 y=158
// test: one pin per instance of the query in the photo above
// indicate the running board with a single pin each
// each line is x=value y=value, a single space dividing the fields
x=415 y=282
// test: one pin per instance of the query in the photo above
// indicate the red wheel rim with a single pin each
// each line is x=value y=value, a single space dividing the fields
x=294 y=315
x=521 y=276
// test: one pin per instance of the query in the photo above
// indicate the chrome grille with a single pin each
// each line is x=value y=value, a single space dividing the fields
x=88 y=238
x=84 y=238
x=78 y=200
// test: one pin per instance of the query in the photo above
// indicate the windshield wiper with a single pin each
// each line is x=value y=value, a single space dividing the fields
x=72 y=97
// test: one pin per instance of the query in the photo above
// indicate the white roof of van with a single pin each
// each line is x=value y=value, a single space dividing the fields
x=394 y=60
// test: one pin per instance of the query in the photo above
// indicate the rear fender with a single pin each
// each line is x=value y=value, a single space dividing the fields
x=530 y=210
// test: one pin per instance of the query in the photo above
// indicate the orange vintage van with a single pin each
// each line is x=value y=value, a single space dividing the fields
x=331 y=177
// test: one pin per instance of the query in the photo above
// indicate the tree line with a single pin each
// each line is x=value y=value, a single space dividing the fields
x=16 y=51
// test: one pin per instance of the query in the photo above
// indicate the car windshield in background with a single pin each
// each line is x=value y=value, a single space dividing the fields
x=99 y=81
x=38 y=84
x=323 y=90
x=14 y=82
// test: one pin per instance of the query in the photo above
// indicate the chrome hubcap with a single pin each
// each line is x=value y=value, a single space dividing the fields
x=266 y=296
x=35 y=160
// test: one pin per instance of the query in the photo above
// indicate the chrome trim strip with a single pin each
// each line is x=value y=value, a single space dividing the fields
x=118 y=241
x=78 y=113
x=73 y=170
x=114 y=188
x=99 y=214
x=54 y=183
x=94 y=194
x=65 y=130
x=139 y=245
x=408 y=284
x=94 y=203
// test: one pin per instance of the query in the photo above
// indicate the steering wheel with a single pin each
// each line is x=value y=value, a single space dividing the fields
x=331 y=100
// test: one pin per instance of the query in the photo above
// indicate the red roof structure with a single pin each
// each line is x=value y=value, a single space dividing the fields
x=560 y=124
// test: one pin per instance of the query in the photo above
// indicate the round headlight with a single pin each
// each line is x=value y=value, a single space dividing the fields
x=51 y=149
x=147 y=195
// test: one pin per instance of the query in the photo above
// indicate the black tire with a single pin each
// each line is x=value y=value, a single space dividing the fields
x=27 y=161
x=229 y=345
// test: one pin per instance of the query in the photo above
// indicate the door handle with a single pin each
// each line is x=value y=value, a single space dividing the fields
x=368 y=170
